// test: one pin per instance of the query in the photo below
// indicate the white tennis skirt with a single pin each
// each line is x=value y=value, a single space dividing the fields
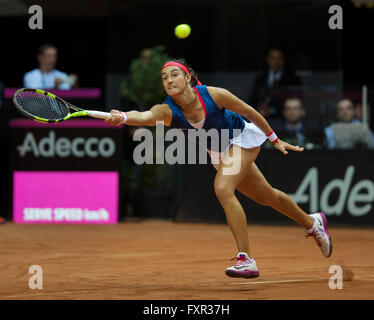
x=250 y=137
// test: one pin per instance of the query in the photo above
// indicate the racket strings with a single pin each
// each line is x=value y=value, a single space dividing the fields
x=42 y=106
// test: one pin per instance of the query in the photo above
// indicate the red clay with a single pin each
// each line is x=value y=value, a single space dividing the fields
x=165 y=260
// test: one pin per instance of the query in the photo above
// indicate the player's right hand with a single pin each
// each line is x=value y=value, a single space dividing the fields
x=116 y=118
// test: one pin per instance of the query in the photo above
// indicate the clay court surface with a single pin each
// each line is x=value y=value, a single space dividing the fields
x=166 y=260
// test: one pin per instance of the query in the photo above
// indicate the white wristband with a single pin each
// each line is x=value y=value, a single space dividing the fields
x=272 y=136
x=124 y=116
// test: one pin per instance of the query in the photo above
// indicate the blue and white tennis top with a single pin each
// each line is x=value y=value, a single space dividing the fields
x=242 y=133
x=214 y=116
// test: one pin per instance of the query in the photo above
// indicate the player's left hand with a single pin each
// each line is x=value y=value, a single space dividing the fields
x=284 y=146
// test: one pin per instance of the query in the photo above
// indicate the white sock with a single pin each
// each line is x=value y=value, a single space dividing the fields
x=314 y=225
x=244 y=254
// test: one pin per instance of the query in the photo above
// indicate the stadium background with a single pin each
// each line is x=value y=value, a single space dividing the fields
x=98 y=40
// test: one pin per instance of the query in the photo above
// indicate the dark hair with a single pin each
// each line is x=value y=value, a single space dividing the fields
x=44 y=47
x=192 y=71
x=293 y=98
x=349 y=99
x=276 y=48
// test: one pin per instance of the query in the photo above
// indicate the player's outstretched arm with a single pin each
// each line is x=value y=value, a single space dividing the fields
x=224 y=98
x=159 y=112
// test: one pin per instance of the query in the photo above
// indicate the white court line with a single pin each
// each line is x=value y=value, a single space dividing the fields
x=299 y=280
x=44 y=294
x=283 y=281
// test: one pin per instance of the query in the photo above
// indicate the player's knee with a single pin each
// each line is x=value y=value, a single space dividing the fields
x=223 y=191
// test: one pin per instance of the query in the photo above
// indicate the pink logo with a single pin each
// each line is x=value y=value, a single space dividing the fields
x=65 y=197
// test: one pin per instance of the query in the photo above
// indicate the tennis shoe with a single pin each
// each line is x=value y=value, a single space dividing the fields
x=244 y=267
x=320 y=234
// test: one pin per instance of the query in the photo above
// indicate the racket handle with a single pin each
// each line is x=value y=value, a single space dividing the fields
x=99 y=114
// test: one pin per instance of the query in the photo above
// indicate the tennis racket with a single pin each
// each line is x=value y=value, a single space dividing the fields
x=43 y=106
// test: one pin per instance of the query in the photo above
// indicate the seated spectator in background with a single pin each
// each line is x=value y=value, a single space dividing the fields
x=145 y=55
x=345 y=113
x=275 y=77
x=293 y=128
x=46 y=76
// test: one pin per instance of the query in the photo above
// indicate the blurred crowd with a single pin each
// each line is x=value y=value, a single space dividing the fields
x=46 y=76
x=286 y=113
x=288 y=116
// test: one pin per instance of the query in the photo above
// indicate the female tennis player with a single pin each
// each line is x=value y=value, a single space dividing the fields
x=191 y=105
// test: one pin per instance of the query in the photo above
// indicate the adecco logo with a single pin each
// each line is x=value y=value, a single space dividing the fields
x=63 y=147
x=362 y=192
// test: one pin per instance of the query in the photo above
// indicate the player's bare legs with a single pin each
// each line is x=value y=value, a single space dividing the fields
x=250 y=181
x=225 y=185
x=256 y=187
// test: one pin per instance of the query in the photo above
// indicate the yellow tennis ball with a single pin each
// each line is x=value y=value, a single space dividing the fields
x=182 y=31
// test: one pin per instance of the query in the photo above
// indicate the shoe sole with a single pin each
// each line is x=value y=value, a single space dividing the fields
x=242 y=274
x=324 y=220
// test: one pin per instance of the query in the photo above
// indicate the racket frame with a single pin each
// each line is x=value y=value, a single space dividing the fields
x=78 y=111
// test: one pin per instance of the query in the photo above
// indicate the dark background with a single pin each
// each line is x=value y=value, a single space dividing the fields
x=95 y=37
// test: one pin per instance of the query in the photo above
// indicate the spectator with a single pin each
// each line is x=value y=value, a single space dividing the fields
x=275 y=77
x=145 y=55
x=345 y=113
x=46 y=76
x=293 y=128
